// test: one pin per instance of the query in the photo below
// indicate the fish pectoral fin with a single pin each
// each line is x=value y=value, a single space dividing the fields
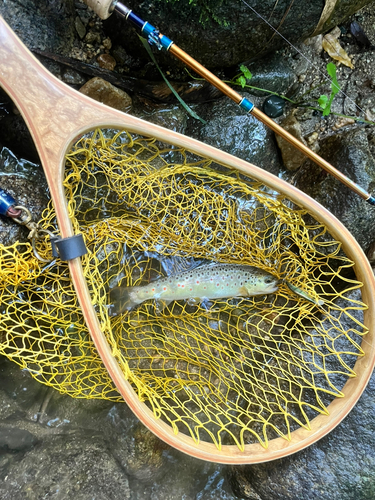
x=243 y=292
x=162 y=304
x=193 y=301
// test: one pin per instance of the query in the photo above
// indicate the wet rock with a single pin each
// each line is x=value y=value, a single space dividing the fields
x=274 y=73
x=72 y=77
x=357 y=31
x=343 y=10
x=93 y=37
x=139 y=452
x=338 y=467
x=15 y=439
x=343 y=122
x=61 y=468
x=19 y=391
x=172 y=118
x=8 y=405
x=80 y=28
x=221 y=34
x=107 y=43
x=106 y=61
x=349 y=152
x=103 y=91
x=292 y=158
x=274 y=106
x=232 y=130
x=43 y=24
x=186 y=478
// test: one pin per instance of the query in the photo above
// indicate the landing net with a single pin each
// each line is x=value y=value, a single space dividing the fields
x=235 y=370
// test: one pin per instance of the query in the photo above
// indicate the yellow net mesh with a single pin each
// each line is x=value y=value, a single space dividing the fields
x=238 y=370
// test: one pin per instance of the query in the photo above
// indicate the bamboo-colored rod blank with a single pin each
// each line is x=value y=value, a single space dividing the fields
x=205 y=73
x=237 y=98
x=105 y=7
x=310 y=154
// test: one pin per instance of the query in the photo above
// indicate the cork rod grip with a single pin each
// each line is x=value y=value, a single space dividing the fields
x=103 y=8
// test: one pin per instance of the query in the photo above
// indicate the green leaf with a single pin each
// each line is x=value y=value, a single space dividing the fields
x=247 y=73
x=322 y=101
x=335 y=86
x=241 y=80
x=182 y=102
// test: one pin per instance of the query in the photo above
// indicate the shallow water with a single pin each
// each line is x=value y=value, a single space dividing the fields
x=38 y=424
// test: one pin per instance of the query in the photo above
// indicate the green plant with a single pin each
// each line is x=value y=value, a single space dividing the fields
x=324 y=101
x=181 y=101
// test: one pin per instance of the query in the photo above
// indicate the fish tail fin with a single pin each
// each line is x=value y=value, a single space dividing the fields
x=121 y=299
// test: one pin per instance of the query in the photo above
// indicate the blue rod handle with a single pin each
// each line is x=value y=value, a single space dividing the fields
x=6 y=202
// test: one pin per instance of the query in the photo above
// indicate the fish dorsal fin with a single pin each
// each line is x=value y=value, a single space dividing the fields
x=177 y=265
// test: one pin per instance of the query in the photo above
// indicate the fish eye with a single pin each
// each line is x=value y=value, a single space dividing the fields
x=268 y=280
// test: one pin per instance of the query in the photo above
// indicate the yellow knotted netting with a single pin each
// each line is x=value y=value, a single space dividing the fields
x=239 y=370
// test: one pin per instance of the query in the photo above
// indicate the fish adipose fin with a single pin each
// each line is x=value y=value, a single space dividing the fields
x=121 y=300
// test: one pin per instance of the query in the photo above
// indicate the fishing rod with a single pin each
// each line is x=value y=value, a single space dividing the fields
x=104 y=8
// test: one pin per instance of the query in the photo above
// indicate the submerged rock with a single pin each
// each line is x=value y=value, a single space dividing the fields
x=139 y=452
x=62 y=468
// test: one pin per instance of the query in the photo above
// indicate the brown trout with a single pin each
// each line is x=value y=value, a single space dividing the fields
x=211 y=281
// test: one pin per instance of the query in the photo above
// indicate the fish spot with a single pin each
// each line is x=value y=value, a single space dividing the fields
x=191 y=289
x=197 y=282
x=218 y=284
x=153 y=289
x=164 y=288
x=182 y=286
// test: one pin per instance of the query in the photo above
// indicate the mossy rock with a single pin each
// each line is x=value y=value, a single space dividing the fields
x=223 y=33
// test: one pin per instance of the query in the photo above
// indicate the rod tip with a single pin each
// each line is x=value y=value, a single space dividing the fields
x=371 y=200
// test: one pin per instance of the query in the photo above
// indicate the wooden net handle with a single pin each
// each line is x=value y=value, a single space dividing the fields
x=103 y=8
